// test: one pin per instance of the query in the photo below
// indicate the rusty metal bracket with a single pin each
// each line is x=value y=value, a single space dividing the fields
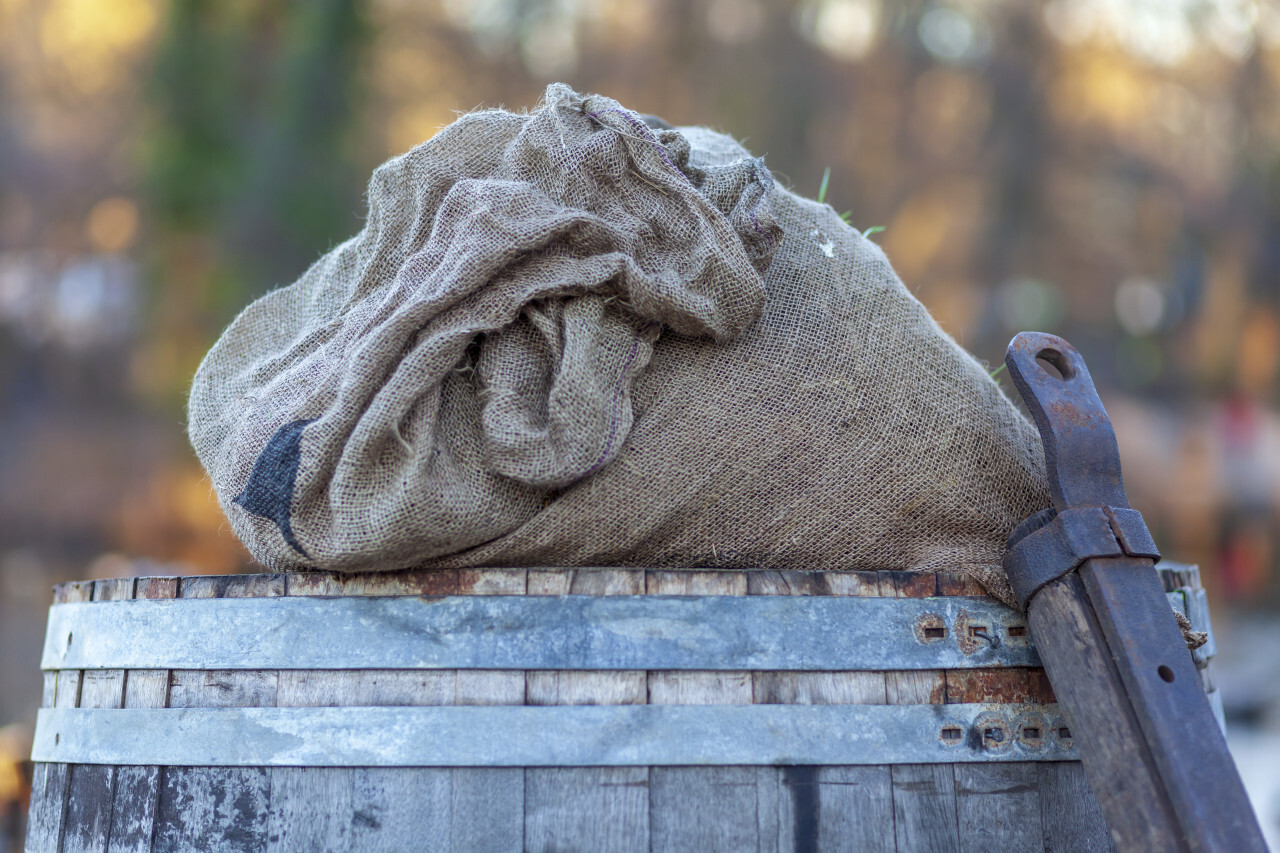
x=1085 y=572
x=1050 y=543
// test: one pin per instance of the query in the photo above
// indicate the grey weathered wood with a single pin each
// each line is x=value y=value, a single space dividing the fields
x=46 y=818
x=133 y=812
x=221 y=689
x=1069 y=812
x=998 y=807
x=212 y=809
x=924 y=808
x=703 y=809
x=232 y=586
x=137 y=788
x=487 y=811
x=47 y=814
x=854 y=809
x=215 y=808
x=397 y=808
x=401 y=809
x=602 y=809
x=1086 y=676
x=90 y=788
x=769 y=798
x=311 y=808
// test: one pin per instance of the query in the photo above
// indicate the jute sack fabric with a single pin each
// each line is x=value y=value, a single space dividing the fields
x=564 y=338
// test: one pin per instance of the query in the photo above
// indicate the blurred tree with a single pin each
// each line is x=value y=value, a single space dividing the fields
x=252 y=161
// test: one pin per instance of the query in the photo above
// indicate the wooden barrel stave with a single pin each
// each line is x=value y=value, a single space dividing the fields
x=1011 y=805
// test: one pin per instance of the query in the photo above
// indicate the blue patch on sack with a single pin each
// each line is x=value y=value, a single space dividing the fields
x=269 y=492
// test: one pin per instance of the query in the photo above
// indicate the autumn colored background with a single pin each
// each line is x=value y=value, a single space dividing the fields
x=1108 y=170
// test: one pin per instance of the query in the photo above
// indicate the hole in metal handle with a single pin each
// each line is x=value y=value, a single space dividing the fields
x=951 y=733
x=1055 y=364
x=1165 y=673
x=935 y=633
x=1064 y=733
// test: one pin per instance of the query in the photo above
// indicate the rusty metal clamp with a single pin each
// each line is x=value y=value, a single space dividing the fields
x=1085 y=573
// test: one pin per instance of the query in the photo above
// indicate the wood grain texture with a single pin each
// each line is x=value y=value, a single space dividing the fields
x=47 y=814
x=602 y=809
x=998 y=807
x=696 y=583
x=703 y=809
x=924 y=808
x=90 y=787
x=137 y=788
x=212 y=808
x=311 y=808
x=487 y=809
x=1011 y=806
x=1086 y=679
x=217 y=808
x=855 y=808
x=1069 y=813
x=399 y=809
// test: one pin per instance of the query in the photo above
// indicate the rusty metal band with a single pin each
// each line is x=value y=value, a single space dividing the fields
x=562 y=736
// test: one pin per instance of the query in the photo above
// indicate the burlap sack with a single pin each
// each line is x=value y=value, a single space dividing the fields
x=567 y=339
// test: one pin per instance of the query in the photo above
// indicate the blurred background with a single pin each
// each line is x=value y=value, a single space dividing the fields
x=1108 y=170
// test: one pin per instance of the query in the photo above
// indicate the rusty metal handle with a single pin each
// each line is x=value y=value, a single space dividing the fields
x=1085 y=573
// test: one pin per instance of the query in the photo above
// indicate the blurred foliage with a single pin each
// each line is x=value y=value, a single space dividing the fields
x=1105 y=169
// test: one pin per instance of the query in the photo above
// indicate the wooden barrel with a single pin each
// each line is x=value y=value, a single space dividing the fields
x=545 y=709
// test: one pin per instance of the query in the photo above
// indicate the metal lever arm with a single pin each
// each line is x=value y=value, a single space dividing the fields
x=1085 y=573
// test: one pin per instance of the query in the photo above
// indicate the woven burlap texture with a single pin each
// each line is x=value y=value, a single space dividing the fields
x=564 y=338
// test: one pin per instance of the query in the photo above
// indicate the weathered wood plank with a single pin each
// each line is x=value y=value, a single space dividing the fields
x=924 y=808
x=156 y=587
x=492 y=581
x=90 y=787
x=855 y=809
x=400 y=809
x=1069 y=813
x=602 y=809
x=222 y=688
x=311 y=808
x=217 y=808
x=410 y=582
x=859 y=584
x=700 y=688
x=212 y=809
x=702 y=809
x=788 y=583
x=818 y=688
x=137 y=788
x=587 y=687
x=989 y=685
x=1087 y=682
x=769 y=799
x=325 y=688
x=998 y=807
x=958 y=583
x=232 y=586
x=487 y=811
x=47 y=813
x=695 y=583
